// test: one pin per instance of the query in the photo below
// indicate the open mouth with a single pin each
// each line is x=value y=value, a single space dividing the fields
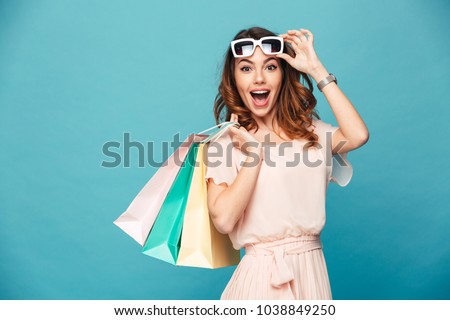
x=260 y=97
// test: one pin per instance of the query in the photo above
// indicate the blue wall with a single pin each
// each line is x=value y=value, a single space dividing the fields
x=77 y=74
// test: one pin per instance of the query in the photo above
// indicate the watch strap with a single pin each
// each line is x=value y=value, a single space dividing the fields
x=328 y=79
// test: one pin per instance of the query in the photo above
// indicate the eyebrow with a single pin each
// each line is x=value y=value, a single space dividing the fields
x=265 y=61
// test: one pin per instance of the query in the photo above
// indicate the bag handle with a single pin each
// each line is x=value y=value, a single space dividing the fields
x=223 y=126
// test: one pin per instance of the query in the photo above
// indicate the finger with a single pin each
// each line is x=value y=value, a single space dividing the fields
x=290 y=41
x=248 y=137
x=293 y=32
x=302 y=36
x=240 y=127
x=237 y=130
x=294 y=46
x=294 y=39
x=297 y=34
x=235 y=137
x=244 y=134
x=234 y=130
x=309 y=34
x=235 y=119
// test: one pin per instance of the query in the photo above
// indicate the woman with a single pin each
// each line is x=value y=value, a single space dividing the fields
x=268 y=179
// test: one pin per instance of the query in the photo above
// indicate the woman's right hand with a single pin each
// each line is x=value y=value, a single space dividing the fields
x=243 y=140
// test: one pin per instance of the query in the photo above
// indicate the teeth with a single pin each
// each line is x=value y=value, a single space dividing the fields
x=260 y=92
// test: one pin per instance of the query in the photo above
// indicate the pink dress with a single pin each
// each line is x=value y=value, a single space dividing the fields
x=280 y=228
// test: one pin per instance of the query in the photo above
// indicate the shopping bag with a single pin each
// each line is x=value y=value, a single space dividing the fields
x=141 y=214
x=201 y=244
x=163 y=240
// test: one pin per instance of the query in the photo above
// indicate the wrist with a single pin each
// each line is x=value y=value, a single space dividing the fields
x=253 y=160
x=326 y=81
x=318 y=73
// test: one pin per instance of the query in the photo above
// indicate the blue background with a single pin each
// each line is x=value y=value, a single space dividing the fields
x=77 y=74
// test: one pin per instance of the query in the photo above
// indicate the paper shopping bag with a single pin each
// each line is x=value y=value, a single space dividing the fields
x=140 y=216
x=201 y=244
x=163 y=240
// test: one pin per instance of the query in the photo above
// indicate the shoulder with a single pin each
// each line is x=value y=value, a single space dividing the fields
x=322 y=126
x=323 y=129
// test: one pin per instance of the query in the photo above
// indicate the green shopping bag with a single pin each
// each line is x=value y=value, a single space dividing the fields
x=163 y=241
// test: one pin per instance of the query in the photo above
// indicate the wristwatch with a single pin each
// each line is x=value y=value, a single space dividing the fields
x=330 y=78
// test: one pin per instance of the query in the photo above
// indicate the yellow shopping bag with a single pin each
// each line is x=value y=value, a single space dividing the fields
x=201 y=244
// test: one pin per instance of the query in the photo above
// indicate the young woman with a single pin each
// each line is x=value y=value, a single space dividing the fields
x=267 y=178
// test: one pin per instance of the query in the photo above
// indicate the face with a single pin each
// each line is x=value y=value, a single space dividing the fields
x=258 y=80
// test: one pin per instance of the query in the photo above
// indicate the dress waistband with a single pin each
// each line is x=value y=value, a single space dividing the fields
x=303 y=241
x=281 y=274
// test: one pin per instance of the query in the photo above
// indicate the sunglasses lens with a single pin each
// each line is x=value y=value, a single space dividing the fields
x=243 y=48
x=271 y=46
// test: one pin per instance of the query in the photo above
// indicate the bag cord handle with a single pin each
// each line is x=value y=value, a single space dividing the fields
x=223 y=126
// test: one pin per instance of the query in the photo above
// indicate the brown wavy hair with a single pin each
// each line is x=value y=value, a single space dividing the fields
x=294 y=106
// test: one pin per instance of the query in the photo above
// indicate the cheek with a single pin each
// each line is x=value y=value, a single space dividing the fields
x=241 y=84
x=237 y=79
x=277 y=81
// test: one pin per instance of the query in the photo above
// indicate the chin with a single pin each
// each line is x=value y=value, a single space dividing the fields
x=260 y=112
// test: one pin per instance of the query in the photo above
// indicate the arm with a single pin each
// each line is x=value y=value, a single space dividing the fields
x=227 y=204
x=352 y=129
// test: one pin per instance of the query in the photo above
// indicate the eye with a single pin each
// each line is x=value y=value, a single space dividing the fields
x=272 y=67
x=245 y=69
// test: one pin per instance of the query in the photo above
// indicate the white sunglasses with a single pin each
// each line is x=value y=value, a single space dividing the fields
x=246 y=47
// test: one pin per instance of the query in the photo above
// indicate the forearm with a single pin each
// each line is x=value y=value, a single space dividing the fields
x=231 y=203
x=349 y=120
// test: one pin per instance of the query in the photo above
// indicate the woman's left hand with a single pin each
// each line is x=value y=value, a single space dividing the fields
x=302 y=41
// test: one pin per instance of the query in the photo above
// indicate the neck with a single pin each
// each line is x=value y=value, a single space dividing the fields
x=268 y=122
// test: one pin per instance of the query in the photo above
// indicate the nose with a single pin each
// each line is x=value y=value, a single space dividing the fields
x=259 y=77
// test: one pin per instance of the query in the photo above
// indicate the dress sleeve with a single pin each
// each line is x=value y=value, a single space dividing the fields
x=221 y=160
x=341 y=170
